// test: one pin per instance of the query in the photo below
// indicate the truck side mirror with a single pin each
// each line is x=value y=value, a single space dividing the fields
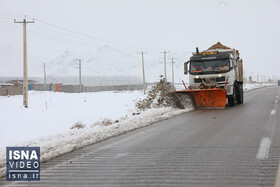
x=186 y=68
x=234 y=63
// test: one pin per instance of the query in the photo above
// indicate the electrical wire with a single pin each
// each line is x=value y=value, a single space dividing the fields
x=66 y=35
x=81 y=34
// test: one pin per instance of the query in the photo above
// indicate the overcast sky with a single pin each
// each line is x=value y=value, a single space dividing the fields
x=252 y=26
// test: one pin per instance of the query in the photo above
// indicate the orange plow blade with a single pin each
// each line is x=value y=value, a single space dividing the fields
x=207 y=98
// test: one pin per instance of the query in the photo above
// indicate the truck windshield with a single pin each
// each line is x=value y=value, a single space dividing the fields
x=209 y=66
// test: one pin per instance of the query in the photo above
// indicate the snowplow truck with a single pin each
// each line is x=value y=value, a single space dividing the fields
x=215 y=77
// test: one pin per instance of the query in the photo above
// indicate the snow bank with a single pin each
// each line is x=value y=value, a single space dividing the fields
x=47 y=121
x=248 y=87
x=59 y=144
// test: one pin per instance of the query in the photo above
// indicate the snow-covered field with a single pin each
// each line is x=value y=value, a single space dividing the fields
x=47 y=121
x=53 y=112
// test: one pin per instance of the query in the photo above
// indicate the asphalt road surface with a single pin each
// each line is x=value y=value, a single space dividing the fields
x=238 y=146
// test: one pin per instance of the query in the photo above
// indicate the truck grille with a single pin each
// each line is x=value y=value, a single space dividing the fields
x=220 y=79
x=217 y=79
x=197 y=80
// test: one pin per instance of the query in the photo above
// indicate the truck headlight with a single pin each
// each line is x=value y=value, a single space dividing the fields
x=220 y=75
x=197 y=77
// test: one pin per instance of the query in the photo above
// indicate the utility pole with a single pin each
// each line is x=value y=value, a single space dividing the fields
x=80 y=75
x=172 y=70
x=164 y=52
x=143 y=71
x=45 y=78
x=25 y=76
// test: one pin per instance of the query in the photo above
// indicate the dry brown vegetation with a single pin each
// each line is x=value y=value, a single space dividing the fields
x=160 y=95
x=78 y=125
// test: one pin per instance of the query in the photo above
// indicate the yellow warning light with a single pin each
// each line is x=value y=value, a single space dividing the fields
x=210 y=53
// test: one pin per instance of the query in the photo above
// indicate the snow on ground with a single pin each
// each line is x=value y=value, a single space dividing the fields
x=47 y=121
x=54 y=112
x=248 y=87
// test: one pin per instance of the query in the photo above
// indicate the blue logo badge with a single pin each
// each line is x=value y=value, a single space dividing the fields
x=22 y=163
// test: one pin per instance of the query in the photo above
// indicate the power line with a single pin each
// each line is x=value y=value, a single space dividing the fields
x=88 y=36
x=11 y=14
x=43 y=33
x=81 y=34
x=51 y=33
x=85 y=36
x=9 y=28
x=66 y=39
x=77 y=33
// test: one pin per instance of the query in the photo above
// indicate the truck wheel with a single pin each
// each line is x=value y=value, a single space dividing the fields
x=240 y=97
x=231 y=99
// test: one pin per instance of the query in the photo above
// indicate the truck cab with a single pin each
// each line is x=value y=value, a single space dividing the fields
x=217 y=68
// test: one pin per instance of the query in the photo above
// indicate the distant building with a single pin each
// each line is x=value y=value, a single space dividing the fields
x=14 y=88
